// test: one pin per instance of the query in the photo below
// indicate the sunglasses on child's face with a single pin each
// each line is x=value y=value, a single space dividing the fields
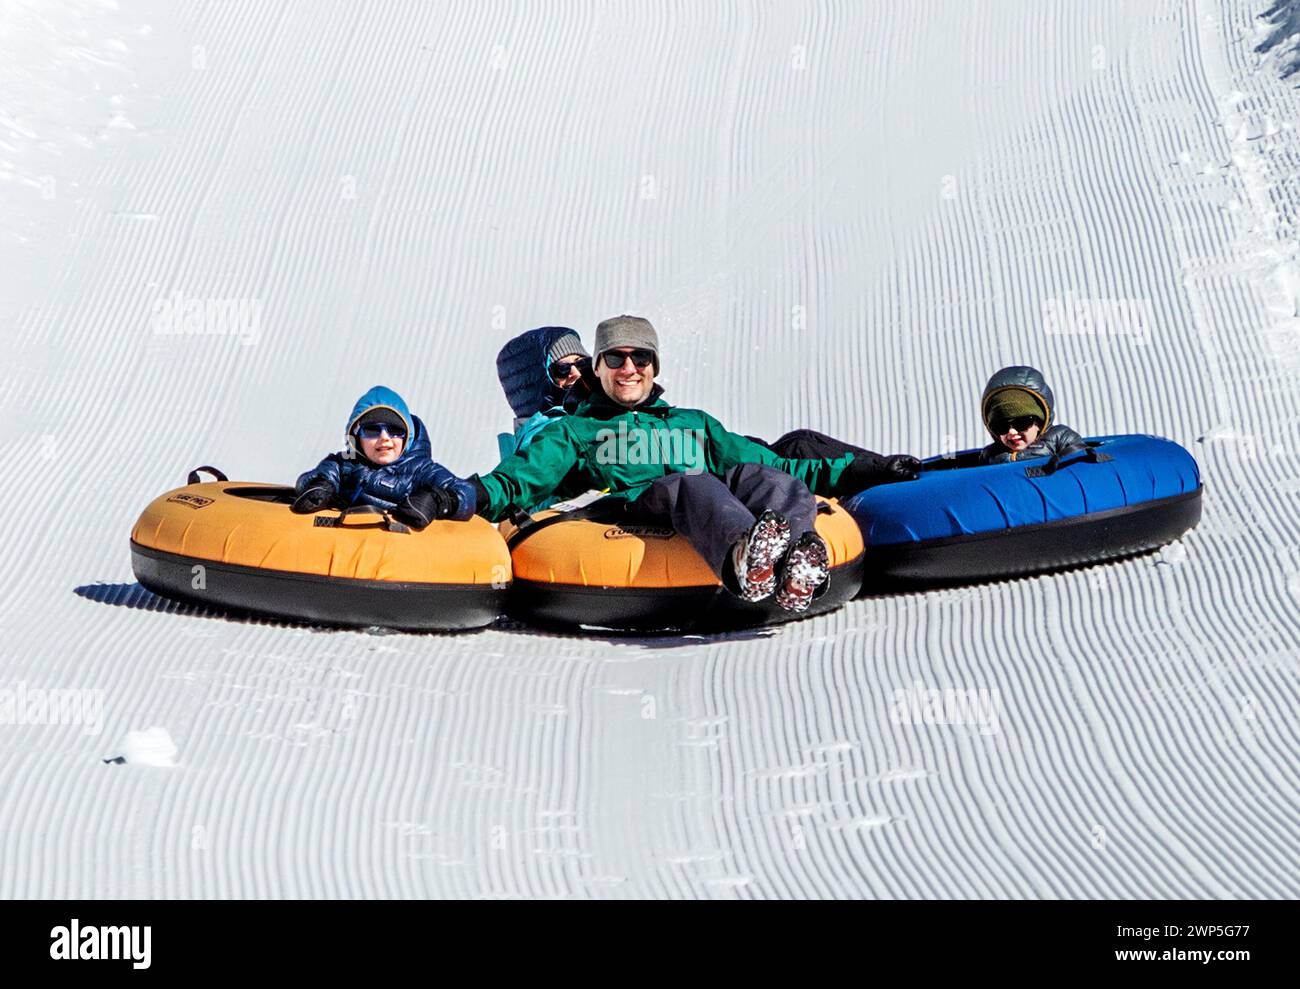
x=640 y=358
x=1021 y=424
x=561 y=370
x=372 y=430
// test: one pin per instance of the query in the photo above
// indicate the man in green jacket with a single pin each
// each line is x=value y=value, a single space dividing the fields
x=749 y=512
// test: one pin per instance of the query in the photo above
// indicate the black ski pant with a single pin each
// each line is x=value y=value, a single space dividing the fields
x=808 y=444
x=715 y=513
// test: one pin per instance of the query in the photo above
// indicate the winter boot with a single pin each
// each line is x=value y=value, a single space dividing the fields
x=806 y=569
x=754 y=558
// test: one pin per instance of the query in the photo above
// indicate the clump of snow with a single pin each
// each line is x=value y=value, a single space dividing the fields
x=1220 y=434
x=147 y=747
x=1260 y=142
x=1174 y=554
x=1284 y=35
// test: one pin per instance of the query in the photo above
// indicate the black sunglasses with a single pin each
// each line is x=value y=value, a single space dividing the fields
x=562 y=369
x=372 y=430
x=640 y=358
x=1021 y=424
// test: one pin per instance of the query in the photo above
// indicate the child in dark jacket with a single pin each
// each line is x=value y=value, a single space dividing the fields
x=1018 y=408
x=541 y=372
x=387 y=465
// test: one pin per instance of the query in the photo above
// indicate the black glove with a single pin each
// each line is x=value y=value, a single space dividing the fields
x=580 y=390
x=869 y=471
x=421 y=507
x=317 y=495
x=902 y=467
x=481 y=497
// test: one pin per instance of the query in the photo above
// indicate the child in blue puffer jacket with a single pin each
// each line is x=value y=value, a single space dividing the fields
x=388 y=465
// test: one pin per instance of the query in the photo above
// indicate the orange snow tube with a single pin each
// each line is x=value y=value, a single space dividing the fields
x=587 y=567
x=238 y=546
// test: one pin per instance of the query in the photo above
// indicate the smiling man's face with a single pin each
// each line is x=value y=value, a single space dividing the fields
x=627 y=385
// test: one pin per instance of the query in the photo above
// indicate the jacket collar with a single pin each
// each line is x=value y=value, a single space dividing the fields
x=601 y=406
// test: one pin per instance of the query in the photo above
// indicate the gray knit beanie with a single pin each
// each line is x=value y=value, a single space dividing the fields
x=627 y=331
x=563 y=346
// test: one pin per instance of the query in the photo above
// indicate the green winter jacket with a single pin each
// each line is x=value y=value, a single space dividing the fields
x=624 y=450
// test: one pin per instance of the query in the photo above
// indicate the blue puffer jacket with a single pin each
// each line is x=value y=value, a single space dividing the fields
x=360 y=482
x=1052 y=439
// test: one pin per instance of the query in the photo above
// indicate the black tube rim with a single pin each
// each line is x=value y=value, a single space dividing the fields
x=324 y=580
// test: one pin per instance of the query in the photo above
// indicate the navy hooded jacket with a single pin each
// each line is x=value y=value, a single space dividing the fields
x=524 y=369
x=523 y=366
x=357 y=481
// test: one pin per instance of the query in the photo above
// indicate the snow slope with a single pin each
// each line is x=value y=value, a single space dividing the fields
x=839 y=215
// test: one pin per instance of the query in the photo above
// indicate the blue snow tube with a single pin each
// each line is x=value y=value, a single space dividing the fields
x=962 y=521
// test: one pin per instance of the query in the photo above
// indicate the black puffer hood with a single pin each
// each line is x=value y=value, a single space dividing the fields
x=1025 y=378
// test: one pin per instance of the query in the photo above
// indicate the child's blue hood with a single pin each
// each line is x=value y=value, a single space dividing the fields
x=380 y=397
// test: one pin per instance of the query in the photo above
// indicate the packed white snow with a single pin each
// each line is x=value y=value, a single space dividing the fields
x=839 y=216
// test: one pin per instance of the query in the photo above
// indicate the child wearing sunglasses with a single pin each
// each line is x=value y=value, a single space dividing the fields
x=388 y=465
x=1018 y=408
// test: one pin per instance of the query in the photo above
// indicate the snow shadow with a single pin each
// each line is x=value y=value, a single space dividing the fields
x=139 y=598
x=653 y=641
